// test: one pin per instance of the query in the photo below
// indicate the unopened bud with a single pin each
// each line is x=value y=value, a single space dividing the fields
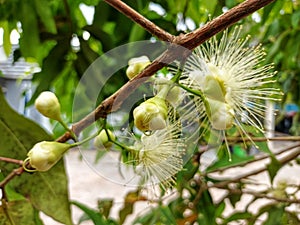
x=46 y=154
x=221 y=114
x=102 y=139
x=173 y=92
x=136 y=65
x=48 y=105
x=151 y=114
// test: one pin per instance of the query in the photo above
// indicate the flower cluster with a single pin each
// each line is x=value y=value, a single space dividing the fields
x=232 y=82
x=227 y=84
x=222 y=85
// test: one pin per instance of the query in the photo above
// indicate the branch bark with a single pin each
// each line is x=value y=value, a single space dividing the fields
x=188 y=41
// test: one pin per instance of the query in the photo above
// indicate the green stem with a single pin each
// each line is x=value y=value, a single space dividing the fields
x=164 y=91
x=85 y=140
x=73 y=135
x=4 y=205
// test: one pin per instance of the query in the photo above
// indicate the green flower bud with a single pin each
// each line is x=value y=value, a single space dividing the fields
x=173 y=92
x=46 y=154
x=151 y=114
x=102 y=139
x=221 y=114
x=136 y=65
x=48 y=105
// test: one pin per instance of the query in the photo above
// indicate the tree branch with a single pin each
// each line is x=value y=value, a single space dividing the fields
x=10 y=160
x=189 y=41
x=197 y=37
x=141 y=20
x=255 y=159
x=15 y=172
x=263 y=139
x=263 y=195
x=283 y=160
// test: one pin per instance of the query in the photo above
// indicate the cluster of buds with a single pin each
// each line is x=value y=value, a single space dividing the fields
x=44 y=155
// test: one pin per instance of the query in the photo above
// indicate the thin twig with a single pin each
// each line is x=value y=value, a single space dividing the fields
x=255 y=159
x=263 y=139
x=10 y=160
x=189 y=41
x=141 y=20
x=9 y=177
x=253 y=172
x=263 y=195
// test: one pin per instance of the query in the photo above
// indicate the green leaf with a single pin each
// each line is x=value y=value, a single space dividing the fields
x=130 y=199
x=29 y=41
x=53 y=64
x=43 y=9
x=17 y=213
x=94 y=215
x=137 y=33
x=224 y=163
x=48 y=191
x=275 y=215
x=206 y=209
x=273 y=167
x=6 y=37
x=238 y=216
x=234 y=198
x=104 y=206
x=220 y=209
x=169 y=217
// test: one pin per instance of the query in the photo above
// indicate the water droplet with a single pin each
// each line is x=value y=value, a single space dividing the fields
x=148 y=132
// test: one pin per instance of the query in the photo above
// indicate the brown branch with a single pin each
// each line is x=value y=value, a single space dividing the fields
x=263 y=195
x=294 y=154
x=197 y=37
x=15 y=172
x=255 y=159
x=141 y=20
x=10 y=160
x=189 y=41
x=262 y=139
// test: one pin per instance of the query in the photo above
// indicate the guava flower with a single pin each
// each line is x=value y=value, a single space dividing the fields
x=44 y=155
x=231 y=81
x=151 y=114
x=48 y=105
x=159 y=156
x=136 y=65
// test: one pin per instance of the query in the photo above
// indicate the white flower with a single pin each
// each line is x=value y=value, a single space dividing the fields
x=232 y=82
x=159 y=156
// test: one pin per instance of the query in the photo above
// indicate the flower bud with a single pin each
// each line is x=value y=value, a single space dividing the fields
x=173 y=92
x=46 y=154
x=136 y=65
x=221 y=114
x=102 y=139
x=48 y=105
x=151 y=114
